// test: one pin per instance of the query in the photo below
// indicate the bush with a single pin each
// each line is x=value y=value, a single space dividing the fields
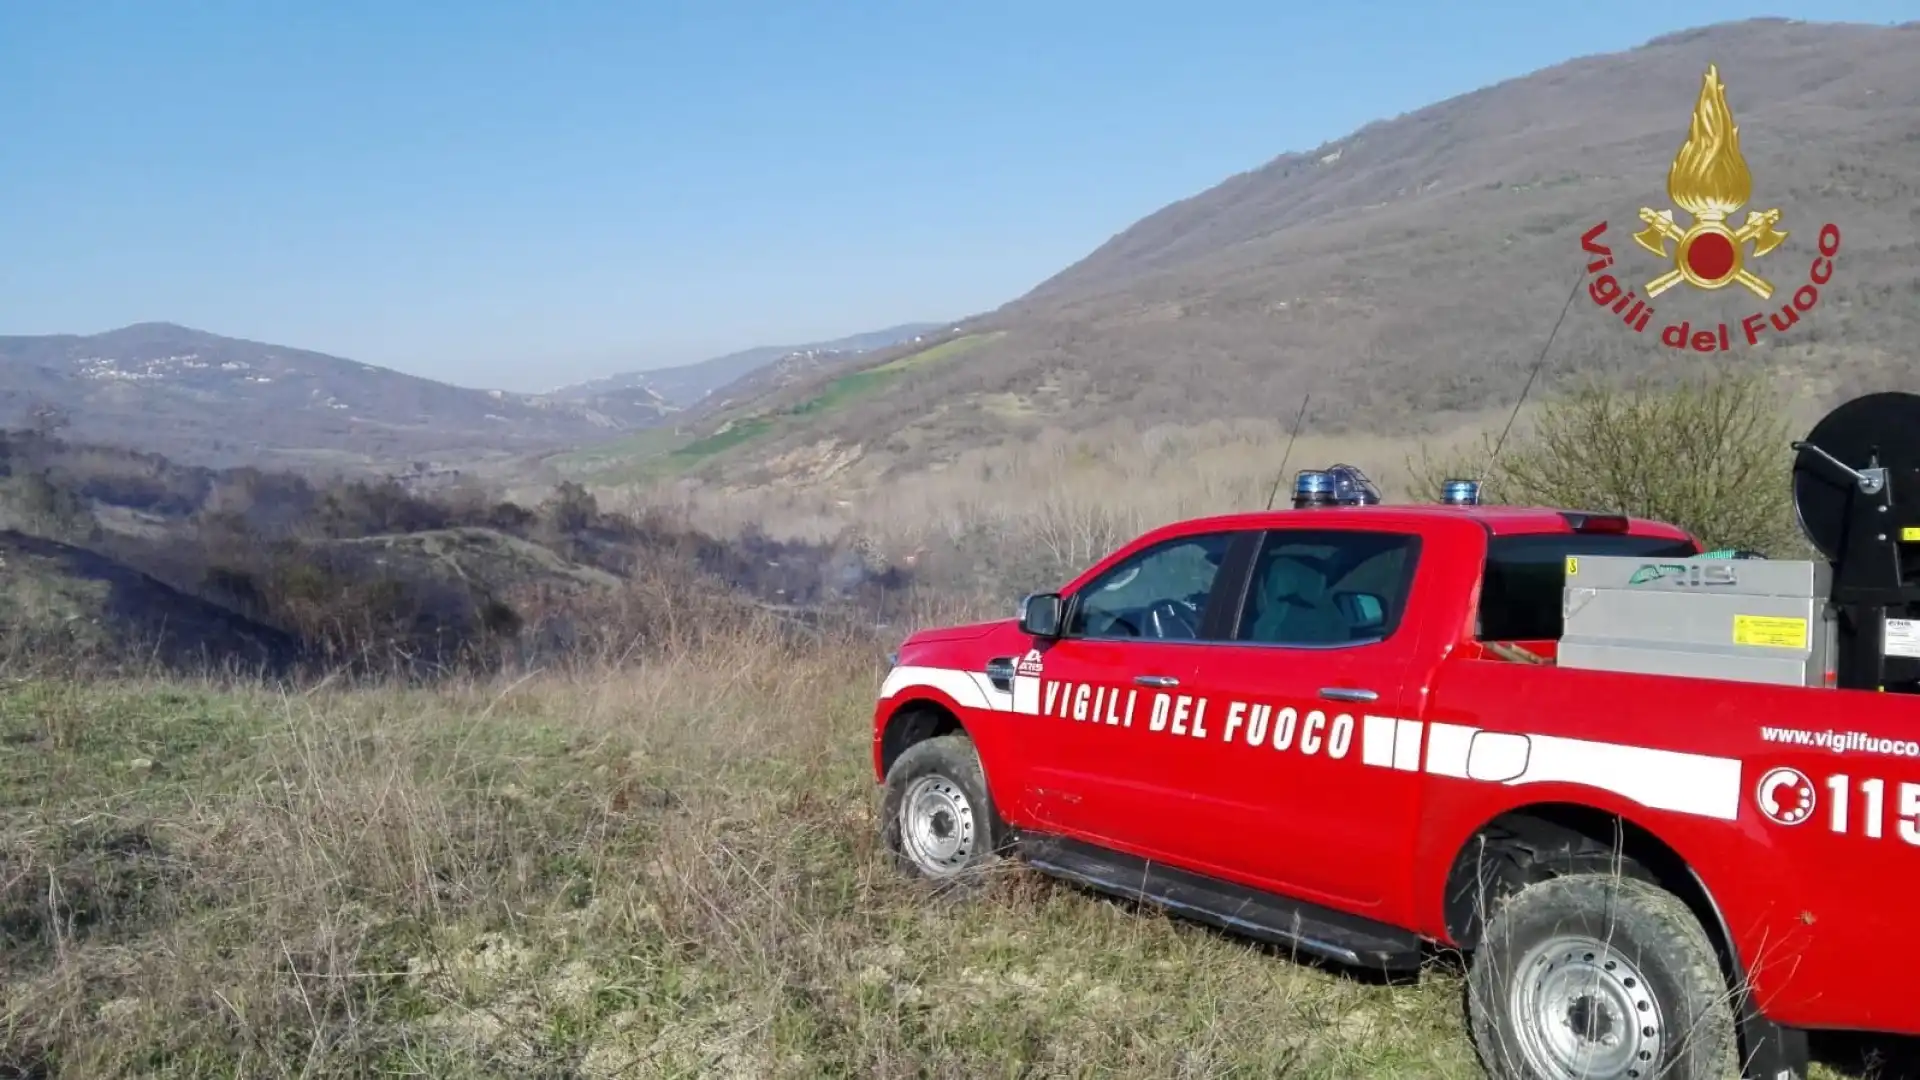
x=32 y=502
x=1710 y=455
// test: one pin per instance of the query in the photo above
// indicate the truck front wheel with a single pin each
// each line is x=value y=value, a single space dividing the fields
x=1599 y=977
x=938 y=820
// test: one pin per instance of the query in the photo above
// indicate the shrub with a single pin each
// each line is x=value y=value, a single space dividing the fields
x=34 y=503
x=1711 y=455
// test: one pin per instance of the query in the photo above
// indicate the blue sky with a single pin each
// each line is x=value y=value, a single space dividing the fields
x=526 y=194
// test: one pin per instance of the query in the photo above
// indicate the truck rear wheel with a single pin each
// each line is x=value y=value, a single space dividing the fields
x=1599 y=977
x=938 y=820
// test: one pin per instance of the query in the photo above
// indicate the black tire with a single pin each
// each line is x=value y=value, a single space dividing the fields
x=943 y=779
x=1599 y=949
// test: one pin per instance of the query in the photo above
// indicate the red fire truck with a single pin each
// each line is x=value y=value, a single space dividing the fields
x=1659 y=797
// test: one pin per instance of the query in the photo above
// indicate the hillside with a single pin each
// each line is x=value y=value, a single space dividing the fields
x=216 y=400
x=110 y=556
x=67 y=600
x=1407 y=274
x=687 y=384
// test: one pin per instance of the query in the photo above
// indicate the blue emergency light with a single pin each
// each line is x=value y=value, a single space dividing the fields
x=1460 y=492
x=1352 y=488
x=1338 y=485
x=1312 y=487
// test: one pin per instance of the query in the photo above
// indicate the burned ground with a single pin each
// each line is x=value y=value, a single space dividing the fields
x=128 y=557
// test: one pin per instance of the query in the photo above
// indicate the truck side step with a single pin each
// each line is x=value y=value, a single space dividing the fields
x=1263 y=916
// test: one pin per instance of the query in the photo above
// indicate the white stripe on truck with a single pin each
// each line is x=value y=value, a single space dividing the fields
x=1702 y=785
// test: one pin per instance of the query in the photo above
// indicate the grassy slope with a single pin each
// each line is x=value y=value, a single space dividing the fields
x=846 y=388
x=486 y=557
x=667 y=871
x=641 y=444
x=672 y=869
x=657 y=454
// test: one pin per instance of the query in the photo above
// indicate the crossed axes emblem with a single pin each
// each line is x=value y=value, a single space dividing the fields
x=1759 y=230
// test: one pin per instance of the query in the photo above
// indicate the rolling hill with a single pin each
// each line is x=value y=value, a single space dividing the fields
x=218 y=401
x=686 y=385
x=215 y=400
x=1411 y=271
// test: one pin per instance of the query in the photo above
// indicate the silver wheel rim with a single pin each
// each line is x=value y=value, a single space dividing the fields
x=936 y=825
x=1583 y=1012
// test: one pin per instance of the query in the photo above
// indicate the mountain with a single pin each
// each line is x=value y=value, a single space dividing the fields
x=1412 y=270
x=215 y=400
x=684 y=386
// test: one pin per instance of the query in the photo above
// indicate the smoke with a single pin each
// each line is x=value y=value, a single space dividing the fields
x=799 y=574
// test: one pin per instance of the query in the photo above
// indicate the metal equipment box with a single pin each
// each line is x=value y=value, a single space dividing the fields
x=1747 y=620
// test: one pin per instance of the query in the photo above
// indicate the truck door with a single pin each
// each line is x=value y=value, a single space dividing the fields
x=1317 y=785
x=1113 y=746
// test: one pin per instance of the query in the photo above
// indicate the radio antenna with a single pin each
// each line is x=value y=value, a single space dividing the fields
x=1271 y=495
x=1537 y=363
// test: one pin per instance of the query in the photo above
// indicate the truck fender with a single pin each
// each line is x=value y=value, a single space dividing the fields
x=923 y=713
x=1688 y=856
x=954 y=688
x=907 y=716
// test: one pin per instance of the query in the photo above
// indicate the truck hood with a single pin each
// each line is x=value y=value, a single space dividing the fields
x=963 y=632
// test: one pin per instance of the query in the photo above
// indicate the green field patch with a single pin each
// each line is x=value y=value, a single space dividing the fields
x=842 y=390
x=861 y=383
x=637 y=458
x=71 y=742
x=942 y=351
x=661 y=452
x=646 y=443
x=665 y=458
x=729 y=436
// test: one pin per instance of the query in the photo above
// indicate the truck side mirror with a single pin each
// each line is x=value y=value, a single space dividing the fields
x=1040 y=615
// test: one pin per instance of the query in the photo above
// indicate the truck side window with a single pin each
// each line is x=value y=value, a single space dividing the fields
x=1159 y=593
x=1328 y=588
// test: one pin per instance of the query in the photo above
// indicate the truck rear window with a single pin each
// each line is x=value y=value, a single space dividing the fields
x=1525 y=575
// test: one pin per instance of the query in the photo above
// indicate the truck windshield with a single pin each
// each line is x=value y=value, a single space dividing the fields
x=1525 y=575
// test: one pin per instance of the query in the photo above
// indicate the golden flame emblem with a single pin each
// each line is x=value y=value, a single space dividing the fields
x=1710 y=181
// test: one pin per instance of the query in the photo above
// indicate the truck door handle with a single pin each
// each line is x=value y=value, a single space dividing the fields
x=1156 y=680
x=1346 y=693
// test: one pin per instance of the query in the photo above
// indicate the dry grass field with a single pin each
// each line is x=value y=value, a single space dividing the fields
x=659 y=869
x=664 y=869
x=1009 y=516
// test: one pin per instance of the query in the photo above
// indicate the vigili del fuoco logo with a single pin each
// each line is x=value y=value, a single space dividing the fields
x=1709 y=180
